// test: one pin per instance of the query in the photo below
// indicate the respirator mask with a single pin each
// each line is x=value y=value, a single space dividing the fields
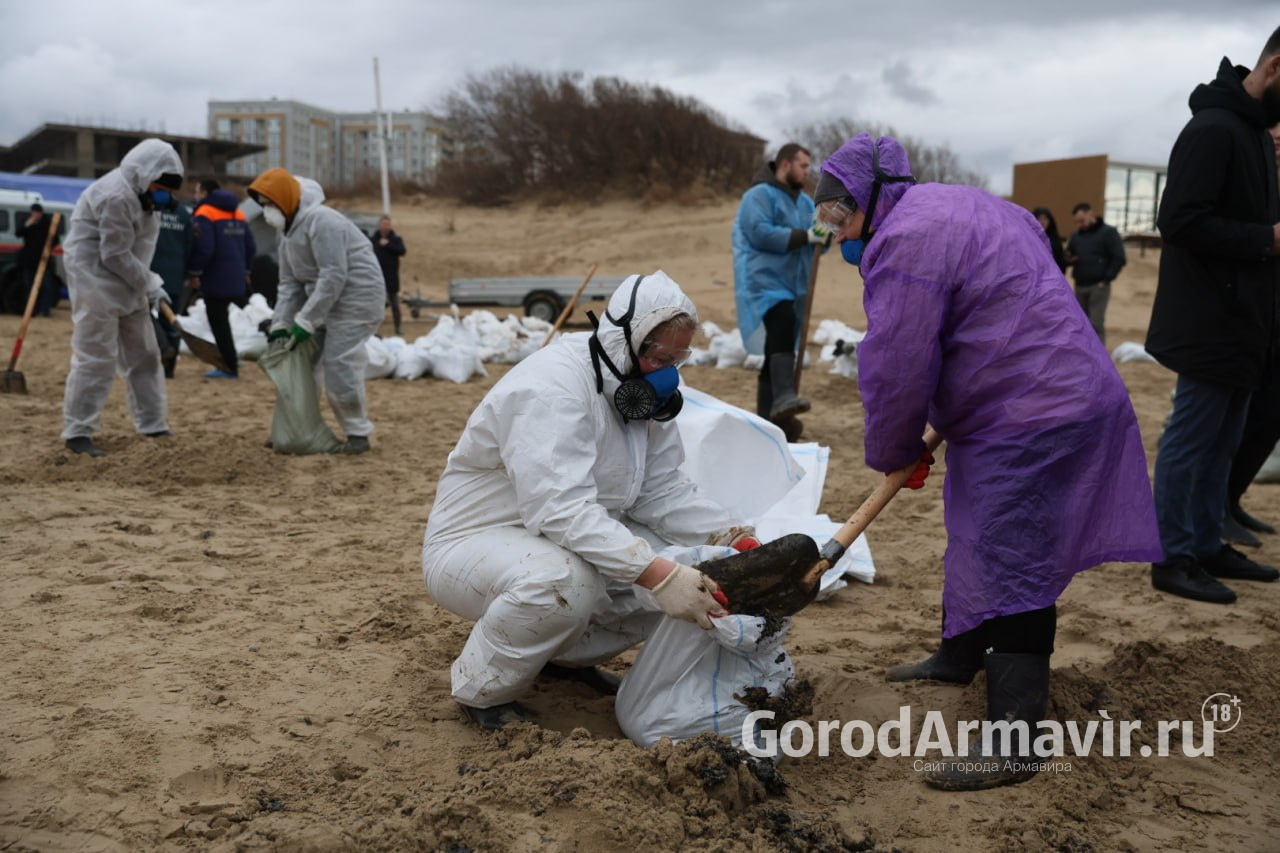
x=639 y=396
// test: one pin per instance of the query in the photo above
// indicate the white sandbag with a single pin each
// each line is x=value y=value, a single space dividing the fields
x=250 y=343
x=830 y=331
x=844 y=358
x=380 y=360
x=728 y=349
x=1130 y=351
x=454 y=351
x=412 y=360
x=683 y=682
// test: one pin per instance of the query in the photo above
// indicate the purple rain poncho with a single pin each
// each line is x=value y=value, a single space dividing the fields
x=972 y=328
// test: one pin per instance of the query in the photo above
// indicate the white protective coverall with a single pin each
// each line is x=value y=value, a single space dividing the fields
x=108 y=259
x=529 y=532
x=330 y=279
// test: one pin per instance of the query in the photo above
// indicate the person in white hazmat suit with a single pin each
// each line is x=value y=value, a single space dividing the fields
x=544 y=516
x=330 y=287
x=108 y=258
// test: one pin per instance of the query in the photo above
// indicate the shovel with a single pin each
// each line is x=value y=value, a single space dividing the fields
x=204 y=350
x=782 y=577
x=14 y=381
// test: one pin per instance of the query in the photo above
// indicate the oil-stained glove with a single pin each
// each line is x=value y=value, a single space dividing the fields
x=688 y=594
x=739 y=538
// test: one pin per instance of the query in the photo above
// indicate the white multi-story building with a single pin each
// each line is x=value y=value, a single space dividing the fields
x=336 y=149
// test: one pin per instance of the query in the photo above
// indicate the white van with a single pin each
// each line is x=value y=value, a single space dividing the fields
x=15 y=205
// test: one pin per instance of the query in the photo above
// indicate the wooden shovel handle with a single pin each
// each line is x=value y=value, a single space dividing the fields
x=167 y=313
x=564 y=314
x=883 y=493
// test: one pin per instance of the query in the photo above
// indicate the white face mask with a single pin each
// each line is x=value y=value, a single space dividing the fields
x=274 y=217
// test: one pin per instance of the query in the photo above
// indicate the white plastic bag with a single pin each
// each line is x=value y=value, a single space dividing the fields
x=685 y=680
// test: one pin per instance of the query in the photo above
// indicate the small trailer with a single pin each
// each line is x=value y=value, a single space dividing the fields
x=541 y=297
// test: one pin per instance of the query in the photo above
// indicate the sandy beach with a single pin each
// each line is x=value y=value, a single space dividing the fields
x=208 y=646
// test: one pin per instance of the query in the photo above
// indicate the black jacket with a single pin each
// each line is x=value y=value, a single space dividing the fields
x=33 y=239
x=1099 y=253
x=1214 y=317
x=389 y=257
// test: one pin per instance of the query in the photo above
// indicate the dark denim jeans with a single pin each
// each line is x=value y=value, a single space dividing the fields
x=1193 y=464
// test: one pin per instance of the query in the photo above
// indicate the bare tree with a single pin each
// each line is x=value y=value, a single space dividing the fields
x=929 y=163
x=521 y=132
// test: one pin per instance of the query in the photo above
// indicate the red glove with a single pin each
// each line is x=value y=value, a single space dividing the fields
x=921 y=471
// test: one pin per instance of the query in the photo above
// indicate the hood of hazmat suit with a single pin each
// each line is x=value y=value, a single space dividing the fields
x=329 y=275
x=112 y=238
x=546 y=451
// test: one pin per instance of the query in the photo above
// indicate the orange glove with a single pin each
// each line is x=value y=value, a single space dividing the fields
x=921 y=471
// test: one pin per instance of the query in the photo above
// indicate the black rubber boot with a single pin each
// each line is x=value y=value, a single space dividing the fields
x=602 y=681
x=499 y=716
x=353 y=445
x=764 y=395
x=956 y=661
x=782 y=381
x=1017 y=689
x=84 y=444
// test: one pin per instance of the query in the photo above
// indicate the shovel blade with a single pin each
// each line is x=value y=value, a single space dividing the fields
x=775 y=579
x=14 y=383
x=204 y=350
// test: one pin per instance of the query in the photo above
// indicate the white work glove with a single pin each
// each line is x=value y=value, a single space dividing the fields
x=818 y=235
x=686 y=594
x=156 y=291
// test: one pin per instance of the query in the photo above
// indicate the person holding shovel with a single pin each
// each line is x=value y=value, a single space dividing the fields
x=773 y=255
x=107 y=253
x=330 y=281
x=972 y=329
x=544 y=516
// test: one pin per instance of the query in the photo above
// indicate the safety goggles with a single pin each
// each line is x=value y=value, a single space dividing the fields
x=834 y=214
x=658 y=355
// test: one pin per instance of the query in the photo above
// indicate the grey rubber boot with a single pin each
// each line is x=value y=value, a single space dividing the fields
x=1017 y=689
x=782 y=381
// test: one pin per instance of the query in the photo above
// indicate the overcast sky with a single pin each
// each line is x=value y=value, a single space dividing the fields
x=999 y=82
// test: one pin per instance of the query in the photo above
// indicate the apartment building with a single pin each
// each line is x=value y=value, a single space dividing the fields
x=337 y=149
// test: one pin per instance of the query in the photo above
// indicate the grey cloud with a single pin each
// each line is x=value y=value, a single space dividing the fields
x=900 y=78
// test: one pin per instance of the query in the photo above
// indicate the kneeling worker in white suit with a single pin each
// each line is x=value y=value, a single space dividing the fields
x=527 y=534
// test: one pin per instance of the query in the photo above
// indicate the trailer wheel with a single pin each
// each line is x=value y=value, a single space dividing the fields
x=544 y=305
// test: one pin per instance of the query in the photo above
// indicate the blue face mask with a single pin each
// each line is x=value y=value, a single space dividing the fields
x=162 y=199
x=664 y=382
x=851 y=251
